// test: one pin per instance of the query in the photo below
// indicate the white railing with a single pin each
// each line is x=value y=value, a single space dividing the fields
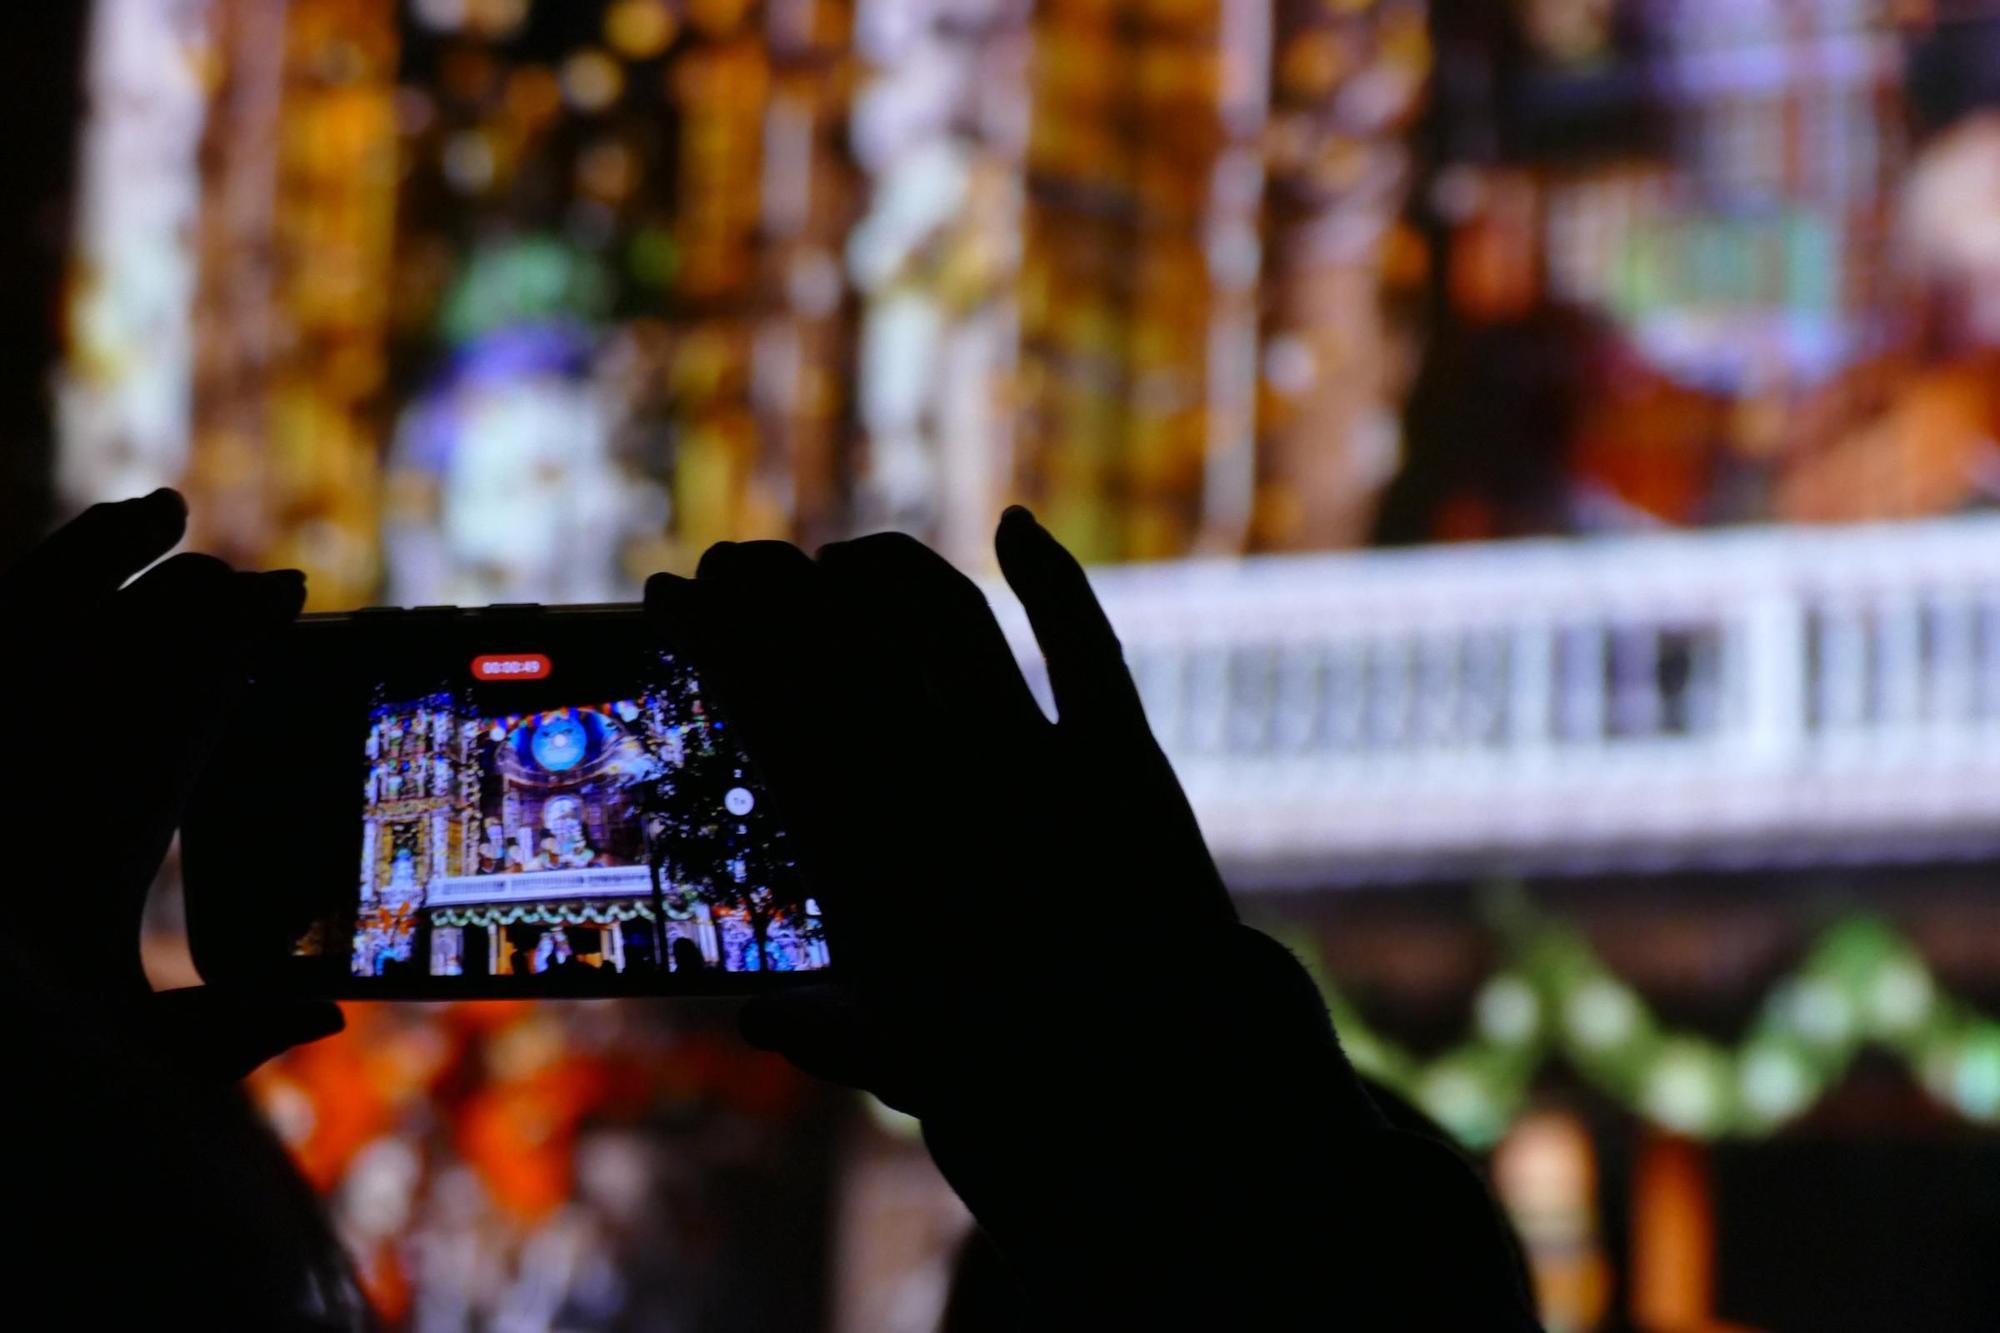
x=539 y=885
x=1750 y=696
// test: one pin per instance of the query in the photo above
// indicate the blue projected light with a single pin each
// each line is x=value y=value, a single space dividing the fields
x=559 y=744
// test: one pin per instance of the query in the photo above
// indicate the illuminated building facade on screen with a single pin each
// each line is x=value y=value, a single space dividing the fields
x=620 y=835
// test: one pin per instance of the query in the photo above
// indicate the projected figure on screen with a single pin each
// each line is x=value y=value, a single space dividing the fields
x=569 y=840
x=688 y=929
x=385 y=933
x=402 y=876
x=492 y=848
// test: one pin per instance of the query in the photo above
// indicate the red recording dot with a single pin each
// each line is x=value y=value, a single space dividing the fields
x=510 y=666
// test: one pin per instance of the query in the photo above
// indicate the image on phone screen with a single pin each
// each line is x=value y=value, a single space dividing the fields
x=535 y=821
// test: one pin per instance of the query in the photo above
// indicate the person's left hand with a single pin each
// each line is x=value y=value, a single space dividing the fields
x=118 y=686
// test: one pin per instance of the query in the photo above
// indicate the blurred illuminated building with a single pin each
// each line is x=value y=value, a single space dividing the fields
x=434 y=266
x=1720 y=200
x=293 y=288
x=939 y=127
x=809 y=197
x=565 y=167
x=1545 y=1174
x=582 y=1165
x=1139 y=333
x=505 y=302
x=1349 y=81
x=1658 y=864
x=124 y=391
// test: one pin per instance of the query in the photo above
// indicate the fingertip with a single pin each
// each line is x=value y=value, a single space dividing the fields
x=838 y=561
x=166 y=500
x=1021 y=543
x=318 y=1019
x=1019 y=525
x=151 y=524
x=159 y=520
x=718 y=561
x=778 y=1020
x=190 y=575
x=763 y=1024
x=867 y=549
x=897 y=557
x=821 y=1030
x=293 y=585
x=275 y=596
x=227 y=1034
x=668 y=594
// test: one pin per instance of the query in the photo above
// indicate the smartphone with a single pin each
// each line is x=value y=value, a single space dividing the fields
x=444 y=803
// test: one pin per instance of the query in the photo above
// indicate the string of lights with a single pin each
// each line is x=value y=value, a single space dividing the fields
x=1861 y=986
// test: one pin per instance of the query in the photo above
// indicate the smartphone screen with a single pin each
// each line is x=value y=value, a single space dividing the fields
x=533 y=804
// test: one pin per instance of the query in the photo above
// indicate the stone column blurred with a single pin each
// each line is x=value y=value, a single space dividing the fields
x=122 y=396
x=720 y=79
x=294 y=248
x=1139 y=278
x=939 y=129
x=807 y=198
x=1349 y=81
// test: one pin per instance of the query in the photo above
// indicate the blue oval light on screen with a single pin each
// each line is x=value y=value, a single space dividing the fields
x=560 y=744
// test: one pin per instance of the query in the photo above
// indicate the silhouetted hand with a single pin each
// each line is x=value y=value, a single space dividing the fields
x=117 y=687
x=1140 y=1099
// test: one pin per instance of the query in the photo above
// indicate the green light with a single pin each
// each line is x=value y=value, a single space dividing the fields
x=1976 y=1080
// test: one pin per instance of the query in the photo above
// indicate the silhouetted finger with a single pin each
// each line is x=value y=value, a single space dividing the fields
x=755 y=625
x=749 y=614
x=223 y=1035
x=913 y=596
x=929 y=738
x=750 y=624
x=185 y=636
x=1100 y=712
x=95 y=553
x=197 y=623
x=829 y=1033
x=669 y=606
x=1087 y=673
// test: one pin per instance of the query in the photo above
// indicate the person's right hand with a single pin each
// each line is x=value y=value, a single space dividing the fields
x=1128 y=1087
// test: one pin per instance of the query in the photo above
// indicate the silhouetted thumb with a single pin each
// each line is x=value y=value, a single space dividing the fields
x=829 y=1033
x=220 y=1034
